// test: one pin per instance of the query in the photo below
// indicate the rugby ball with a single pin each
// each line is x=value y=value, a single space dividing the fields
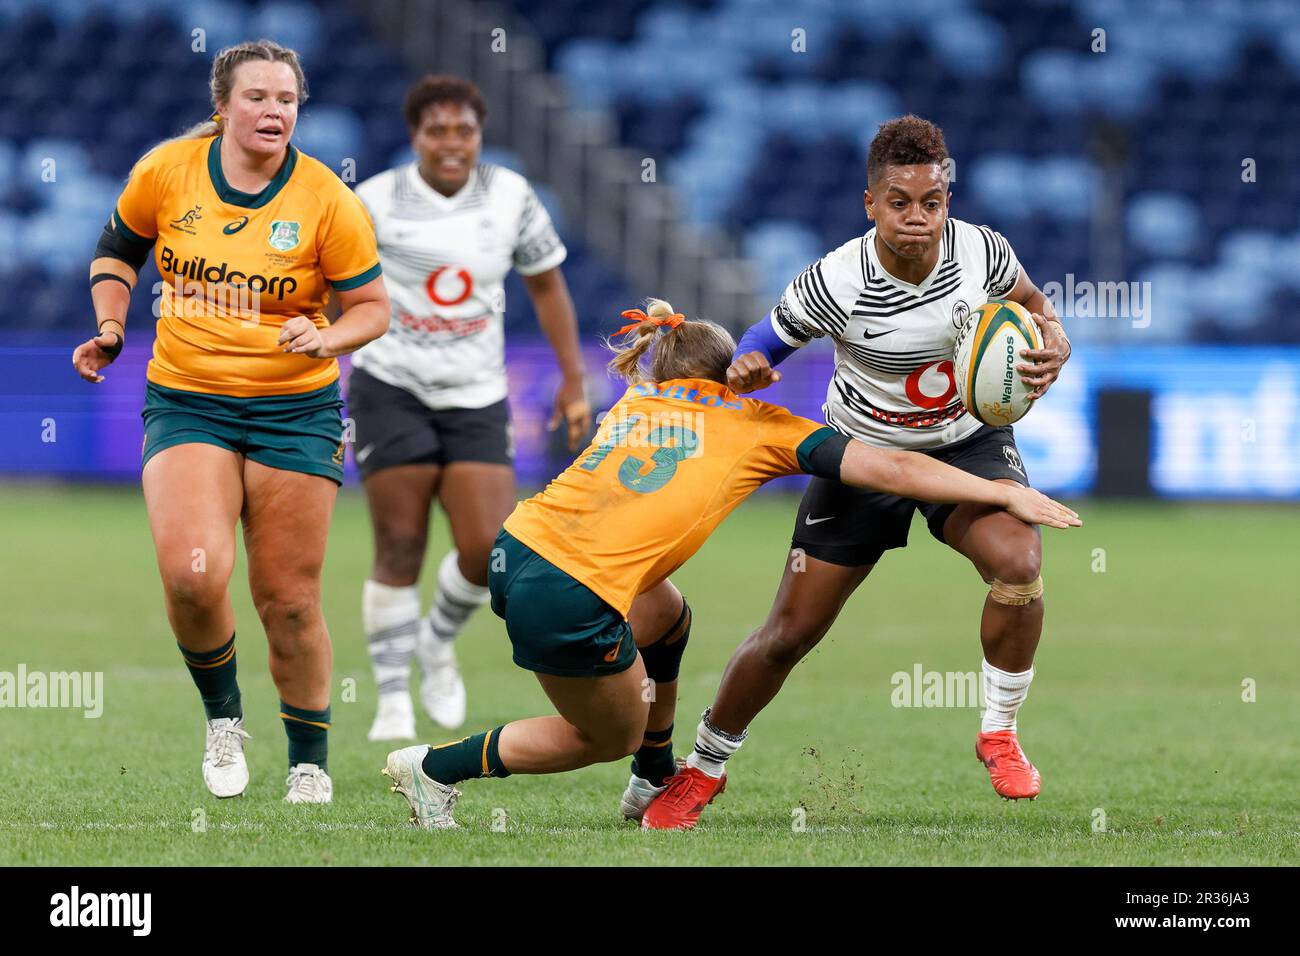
x=987 y=352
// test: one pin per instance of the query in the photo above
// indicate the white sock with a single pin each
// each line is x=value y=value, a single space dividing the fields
x=1003 y=695
x=713 y=747
x=456 y=600
x=391 y=618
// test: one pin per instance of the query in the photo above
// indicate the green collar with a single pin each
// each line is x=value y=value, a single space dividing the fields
x=235 y=197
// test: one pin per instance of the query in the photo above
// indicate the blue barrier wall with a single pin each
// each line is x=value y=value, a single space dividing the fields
x=1224 y=419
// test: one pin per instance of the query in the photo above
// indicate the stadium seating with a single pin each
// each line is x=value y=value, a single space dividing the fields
x=763 y=140
x=1201 y=115
x=61 y=169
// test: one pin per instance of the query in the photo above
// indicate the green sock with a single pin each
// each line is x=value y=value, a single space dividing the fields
x=654 y=760
x=308 y=733
x=214 y=675
x=468 y=757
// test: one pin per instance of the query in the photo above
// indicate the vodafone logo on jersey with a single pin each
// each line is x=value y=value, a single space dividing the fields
x=451 y=285
x=932 y=385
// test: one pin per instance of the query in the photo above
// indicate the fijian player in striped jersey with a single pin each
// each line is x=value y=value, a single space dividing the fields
x=429 y=398
x=893 y=301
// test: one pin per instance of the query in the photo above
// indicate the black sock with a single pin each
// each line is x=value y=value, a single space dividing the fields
x=654 y=762
x=308 y=733
x=214 y=675
x=476 y=756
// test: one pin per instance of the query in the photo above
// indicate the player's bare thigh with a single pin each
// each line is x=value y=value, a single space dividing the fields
x=286 y=527
x=998 y=544
x=193 y=493
x=609 y=712
x=477 y=497
x=399 y=500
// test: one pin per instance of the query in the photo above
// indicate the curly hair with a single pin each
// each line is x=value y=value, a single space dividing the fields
x=441 y=88
x=905 y=141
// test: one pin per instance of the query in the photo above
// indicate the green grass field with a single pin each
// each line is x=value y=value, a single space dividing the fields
x=1136 y=713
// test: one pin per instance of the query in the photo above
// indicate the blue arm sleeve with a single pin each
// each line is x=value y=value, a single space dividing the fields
x=761 y=337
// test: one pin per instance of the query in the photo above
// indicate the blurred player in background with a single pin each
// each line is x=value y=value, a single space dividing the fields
x=893 y=302
x=671 y=460
x=242 y=407
x=429 y=398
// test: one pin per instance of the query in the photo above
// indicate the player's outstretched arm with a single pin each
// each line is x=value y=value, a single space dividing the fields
x=913 y=475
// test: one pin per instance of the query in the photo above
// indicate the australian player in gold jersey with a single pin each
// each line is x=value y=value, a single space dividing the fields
x=670 y=461
x=242 y=406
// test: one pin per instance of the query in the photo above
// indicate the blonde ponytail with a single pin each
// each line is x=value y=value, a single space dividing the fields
x=687 y=349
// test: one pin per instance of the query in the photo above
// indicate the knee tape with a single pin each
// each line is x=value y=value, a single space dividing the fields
x=1016 y=594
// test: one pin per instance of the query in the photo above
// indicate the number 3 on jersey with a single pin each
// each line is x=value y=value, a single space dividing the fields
x=675 y=443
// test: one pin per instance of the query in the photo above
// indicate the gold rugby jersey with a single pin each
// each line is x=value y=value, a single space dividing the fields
x=236 y=265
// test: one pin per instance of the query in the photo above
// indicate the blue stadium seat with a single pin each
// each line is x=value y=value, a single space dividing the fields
x=400 y=157
x=590 y=69
x=11 y=239
x=1163 y=223
x=9 y=161
x=47 y=161
x=970 y=43
x=1287 y=261
x=331 y=134
x=1119 y=85
x=500 y=156
x=1231 y=295
x=62 y=242
x=223 y=22
x=1253 y=249
x=1053 y=80
x=1064 y=186
x=999 y=181
x=857 y=108
x=551 y=203
x=84 y=194
x=1171 y=300
x=289 y=23
x=668 y=24
x=780 y=249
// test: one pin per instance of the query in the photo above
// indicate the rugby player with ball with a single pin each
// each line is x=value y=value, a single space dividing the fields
x=894 y=301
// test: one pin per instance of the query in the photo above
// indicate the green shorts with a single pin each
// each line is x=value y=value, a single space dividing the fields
x=557 y=625
x=301 y=432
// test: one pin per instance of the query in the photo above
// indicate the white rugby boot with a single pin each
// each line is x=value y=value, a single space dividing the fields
x=431 y=802
x=395 y=718
x=442 y=692
x=640 y=793
x=308 y=783
x=225 y=770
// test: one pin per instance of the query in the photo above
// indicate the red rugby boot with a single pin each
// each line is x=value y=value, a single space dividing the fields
x=680 y=805
x=1012 y=774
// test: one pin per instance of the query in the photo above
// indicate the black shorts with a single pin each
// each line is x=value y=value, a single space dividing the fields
x=393 y=427
x=853 y=527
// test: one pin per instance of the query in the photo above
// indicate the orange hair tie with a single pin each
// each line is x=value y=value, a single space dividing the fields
x=638 y=317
